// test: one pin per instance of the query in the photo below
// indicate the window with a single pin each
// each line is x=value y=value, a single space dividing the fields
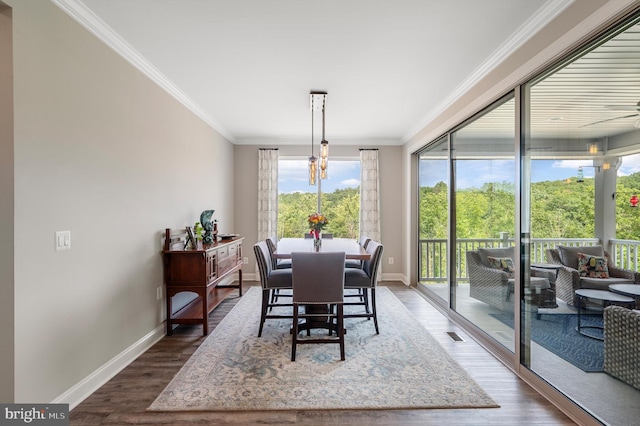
x=337 y=197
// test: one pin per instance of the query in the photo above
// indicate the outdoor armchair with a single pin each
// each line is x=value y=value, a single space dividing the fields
x=569 y=278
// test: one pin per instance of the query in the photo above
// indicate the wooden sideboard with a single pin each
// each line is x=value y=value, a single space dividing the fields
x=196 y=276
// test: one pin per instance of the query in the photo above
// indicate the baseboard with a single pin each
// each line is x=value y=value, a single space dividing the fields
x=395 y=277
x=80 y=391
x=251 y=277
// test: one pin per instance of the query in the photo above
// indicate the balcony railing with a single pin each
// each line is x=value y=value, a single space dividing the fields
x=432 y=255
x=626 y=253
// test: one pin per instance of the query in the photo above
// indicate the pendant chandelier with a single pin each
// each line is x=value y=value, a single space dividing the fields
x=317 y=102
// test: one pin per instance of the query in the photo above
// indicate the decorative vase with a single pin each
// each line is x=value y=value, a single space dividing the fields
x=317 y=241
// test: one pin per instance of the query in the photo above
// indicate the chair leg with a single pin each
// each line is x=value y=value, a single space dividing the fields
x=340 y=321
x=273 y=298
x=375 y=312
x=365 y=295
x=294 y=333
x=263 y=311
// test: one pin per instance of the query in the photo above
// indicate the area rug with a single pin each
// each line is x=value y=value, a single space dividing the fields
x=402 y=367
x=557 y=333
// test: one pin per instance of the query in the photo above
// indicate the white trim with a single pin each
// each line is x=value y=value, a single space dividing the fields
x=395 y=276
x=89 y=20
x=543 y=16
x=252 y=276
x=84 y=388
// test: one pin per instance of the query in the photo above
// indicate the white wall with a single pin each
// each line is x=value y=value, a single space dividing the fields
x=102 y=151
x=392 y=205
x=6 y=207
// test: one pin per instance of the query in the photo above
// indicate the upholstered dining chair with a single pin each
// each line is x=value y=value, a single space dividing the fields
x=270 y=280
x=272 y=243
x=365 y=280
x=318 y=284
x=276 y=264
x=355 y=263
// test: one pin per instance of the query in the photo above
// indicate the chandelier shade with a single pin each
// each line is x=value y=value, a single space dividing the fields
x=317 y=103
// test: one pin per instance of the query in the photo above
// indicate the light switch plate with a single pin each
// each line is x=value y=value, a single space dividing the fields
x=63 y=240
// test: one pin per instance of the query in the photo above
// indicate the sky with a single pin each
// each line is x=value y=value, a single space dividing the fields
x=293 y=176
x=475 y=173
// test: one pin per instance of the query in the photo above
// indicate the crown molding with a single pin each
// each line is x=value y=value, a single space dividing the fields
x=89 y=20
x=533 y=25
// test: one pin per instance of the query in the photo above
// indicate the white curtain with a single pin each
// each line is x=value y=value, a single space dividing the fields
x=369 y=194
x=267 y=193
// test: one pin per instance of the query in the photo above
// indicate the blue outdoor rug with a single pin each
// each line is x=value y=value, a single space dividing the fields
x=557 y=333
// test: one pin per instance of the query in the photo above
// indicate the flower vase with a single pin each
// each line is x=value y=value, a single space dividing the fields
x=317 y=241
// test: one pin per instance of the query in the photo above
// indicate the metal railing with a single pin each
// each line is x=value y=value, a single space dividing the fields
x=432 y=253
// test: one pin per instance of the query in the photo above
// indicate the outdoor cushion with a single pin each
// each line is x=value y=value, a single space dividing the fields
x=602 y=283
x=569 y=255
x=503 y=263
x=592 y=266
x=500 y=252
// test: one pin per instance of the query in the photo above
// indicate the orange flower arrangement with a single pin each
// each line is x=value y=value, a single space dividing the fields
x=317 y=221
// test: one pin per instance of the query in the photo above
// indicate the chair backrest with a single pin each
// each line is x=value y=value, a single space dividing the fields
x=326 y=236
x=308 y=235
x=364 y=241
x=569 y=255
x=271 y=245
x=264 y=262
x=372 y=264
x=318 y=277
x=485 y=253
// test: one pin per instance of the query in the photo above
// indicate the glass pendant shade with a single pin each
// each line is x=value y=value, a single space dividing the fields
x=313 y=170
x=323 y=165
x=324 y=149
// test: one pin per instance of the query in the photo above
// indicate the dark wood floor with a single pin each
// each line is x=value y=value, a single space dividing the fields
x=124 y=399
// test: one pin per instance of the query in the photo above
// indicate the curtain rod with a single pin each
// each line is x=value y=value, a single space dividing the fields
x=268 y=149
x=368 y=149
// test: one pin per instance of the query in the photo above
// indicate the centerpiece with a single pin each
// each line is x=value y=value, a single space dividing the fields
x=317 y=222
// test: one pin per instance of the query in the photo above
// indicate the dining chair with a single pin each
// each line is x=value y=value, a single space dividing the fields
x=318 y=284
x=272 y=243
x=355 y=263
x=326 y=236
x=365 y=280
x=270 y=280
x=276 y=264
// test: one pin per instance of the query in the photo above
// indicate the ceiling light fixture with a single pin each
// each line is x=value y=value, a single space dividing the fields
x=317 y=102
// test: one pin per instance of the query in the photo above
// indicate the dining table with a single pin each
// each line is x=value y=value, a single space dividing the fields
x=351 y=248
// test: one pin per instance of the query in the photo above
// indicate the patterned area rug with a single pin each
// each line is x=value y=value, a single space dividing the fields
x=402 y=367
x=557 y=333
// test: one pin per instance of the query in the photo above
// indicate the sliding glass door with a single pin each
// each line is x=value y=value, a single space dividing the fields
x=433 y=219
x=483 y=163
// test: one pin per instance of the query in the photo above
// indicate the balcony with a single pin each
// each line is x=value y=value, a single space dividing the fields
x=432 y=255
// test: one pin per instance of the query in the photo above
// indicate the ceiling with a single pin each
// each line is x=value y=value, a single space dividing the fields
x=247 y=67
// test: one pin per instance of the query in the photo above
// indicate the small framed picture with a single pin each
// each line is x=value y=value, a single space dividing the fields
x=191 y=239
